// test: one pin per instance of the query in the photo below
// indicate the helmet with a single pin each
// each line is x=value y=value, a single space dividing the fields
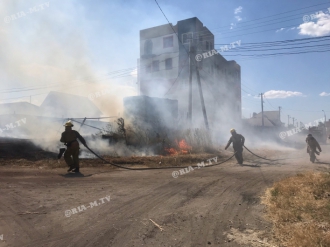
x=309 y=135
x=68 y=124
x=232 y=130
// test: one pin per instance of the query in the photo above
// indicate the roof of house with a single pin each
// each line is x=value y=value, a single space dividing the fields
x=258 y=122
x=271 y=119
x=24 y=108
x=65 y=105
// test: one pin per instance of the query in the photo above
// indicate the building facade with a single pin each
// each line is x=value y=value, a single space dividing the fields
x=168 y=57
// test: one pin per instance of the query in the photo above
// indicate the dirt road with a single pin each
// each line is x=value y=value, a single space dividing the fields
x=215 y=206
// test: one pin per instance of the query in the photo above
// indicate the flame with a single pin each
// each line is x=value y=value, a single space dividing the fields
x=171 y=151
x=183 y=148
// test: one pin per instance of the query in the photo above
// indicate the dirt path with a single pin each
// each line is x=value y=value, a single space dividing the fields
x=216 y=206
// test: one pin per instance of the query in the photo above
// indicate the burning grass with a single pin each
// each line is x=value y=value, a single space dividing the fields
x=182 y=148
x=299 y=207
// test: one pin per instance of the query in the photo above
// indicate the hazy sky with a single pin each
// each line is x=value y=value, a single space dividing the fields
x=81 y=46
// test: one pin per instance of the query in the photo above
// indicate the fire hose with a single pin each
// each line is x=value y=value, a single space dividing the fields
x=263 y=157
x=153 y=168
x=168 y=167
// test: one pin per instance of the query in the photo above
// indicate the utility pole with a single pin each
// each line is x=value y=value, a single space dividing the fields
x=191 y=67
x=262 y=109
x=293 y=121
x=191 y=50
x=325 y=117
x=279 y=113
x=202 y=98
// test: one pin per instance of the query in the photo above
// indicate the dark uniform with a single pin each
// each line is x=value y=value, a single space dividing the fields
x=312 y=144
x=238 y=143
x=71 y=155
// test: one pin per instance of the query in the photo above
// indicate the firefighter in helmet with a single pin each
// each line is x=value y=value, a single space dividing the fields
x=312 y=144
x=238 y=143
x=71 y=155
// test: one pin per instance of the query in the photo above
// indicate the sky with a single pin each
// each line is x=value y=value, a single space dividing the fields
x=88 y=47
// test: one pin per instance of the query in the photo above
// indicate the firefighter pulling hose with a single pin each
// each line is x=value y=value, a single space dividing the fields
x=71 y=154
x=238 y=143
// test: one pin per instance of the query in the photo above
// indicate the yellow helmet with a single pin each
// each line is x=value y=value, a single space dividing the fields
x=232 y=130
x=68 y=124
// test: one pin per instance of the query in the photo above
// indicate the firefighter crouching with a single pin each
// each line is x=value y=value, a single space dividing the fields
x=238 y=143
x=71 y=154
x=312 y=144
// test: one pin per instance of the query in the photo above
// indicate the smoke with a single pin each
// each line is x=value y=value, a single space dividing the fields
x=68 y=48
x=48 y=50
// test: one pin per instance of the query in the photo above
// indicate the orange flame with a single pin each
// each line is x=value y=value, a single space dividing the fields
x=183 y=148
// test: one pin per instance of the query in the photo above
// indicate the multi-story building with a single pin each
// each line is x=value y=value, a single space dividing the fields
x=167 y=55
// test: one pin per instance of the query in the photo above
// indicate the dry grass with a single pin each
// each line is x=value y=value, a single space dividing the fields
x=299 y=207
x=147 y=161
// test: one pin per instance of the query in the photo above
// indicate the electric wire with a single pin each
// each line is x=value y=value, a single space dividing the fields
x=228 y=26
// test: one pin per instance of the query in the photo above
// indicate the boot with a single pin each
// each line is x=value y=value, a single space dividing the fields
x=76 y=170
x=71 y=168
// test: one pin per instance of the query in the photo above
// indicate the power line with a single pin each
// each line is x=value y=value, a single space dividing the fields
x=228 y=26
x=282 y=42
x=171 y=27
x=27 y=88
x=300 y=110
x=212 y=35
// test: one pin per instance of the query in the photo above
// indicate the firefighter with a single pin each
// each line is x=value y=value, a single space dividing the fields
x=238 y=143
x=312 y=144
x=71 y=155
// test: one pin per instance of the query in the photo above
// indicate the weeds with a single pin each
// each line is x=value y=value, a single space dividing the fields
x=300 y=210
x=154 y=138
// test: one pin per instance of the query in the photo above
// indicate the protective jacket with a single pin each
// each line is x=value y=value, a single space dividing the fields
x=312 y=144
x=71 y=155
x=71 y=136
x=238 y=142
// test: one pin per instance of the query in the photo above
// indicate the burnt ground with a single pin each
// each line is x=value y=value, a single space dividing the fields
x=214 y=206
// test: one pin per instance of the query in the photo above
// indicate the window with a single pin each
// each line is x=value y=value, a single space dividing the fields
x=187 y=37
x=207 y=45
x=148 y=68
x=155 y=65
x=168 y=63
x=148 y=47
x=168 y=41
